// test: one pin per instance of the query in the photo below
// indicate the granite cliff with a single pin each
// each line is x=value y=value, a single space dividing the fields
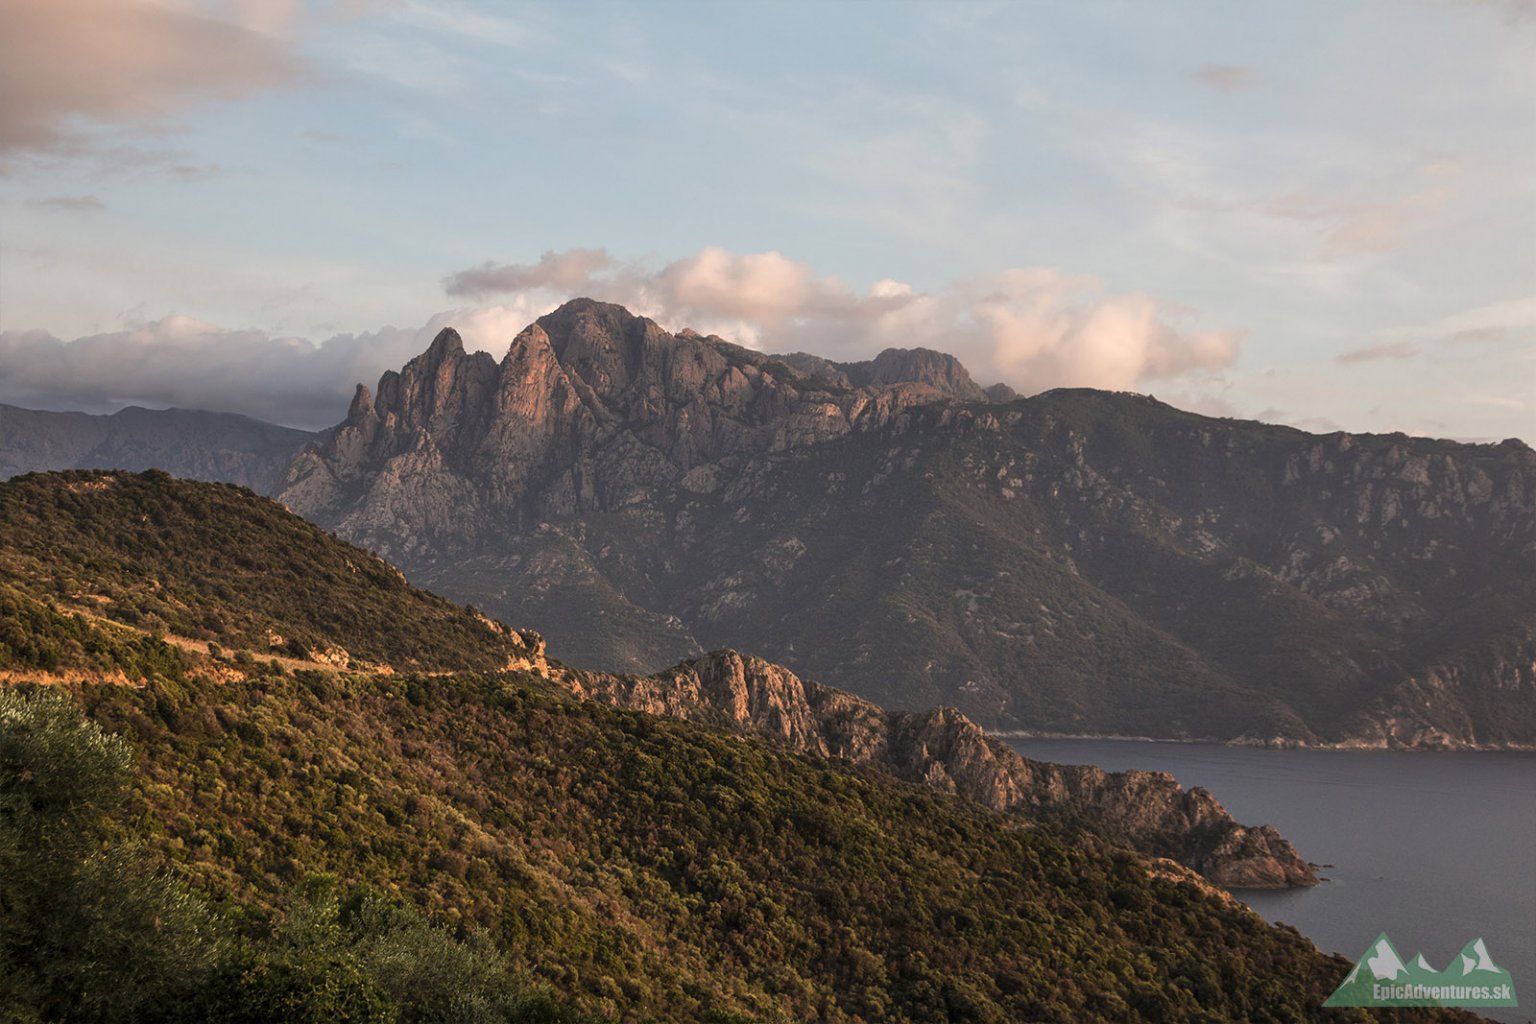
x=940 y=747
x=1077 y=562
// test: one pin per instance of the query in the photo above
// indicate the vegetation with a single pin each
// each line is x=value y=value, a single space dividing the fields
x=87 y=934
x=287 y=844
x=37 y=635
x=211 y=562
x=643 y=868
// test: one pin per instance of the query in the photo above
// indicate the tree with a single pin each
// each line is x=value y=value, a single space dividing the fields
x=84 y=933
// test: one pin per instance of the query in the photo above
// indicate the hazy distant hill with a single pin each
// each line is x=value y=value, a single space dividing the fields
x=185 y=442
x=1079 y=561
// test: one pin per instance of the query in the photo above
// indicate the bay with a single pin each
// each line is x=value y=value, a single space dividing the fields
x=1433 y=848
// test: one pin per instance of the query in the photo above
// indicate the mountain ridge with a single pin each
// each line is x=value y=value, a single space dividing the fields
x=193 y=443
x=1078 y=562
x=1075 y=562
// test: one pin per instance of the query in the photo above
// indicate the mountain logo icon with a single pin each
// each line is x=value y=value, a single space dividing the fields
x=1381 y=978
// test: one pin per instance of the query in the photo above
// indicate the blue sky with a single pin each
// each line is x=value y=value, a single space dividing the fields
x=1314 y=213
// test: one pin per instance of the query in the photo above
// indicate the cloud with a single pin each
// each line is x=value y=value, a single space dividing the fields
x=78 y=204
x=63 y=62
x=1227 y=78
x=562 y=271
x=184 y=362
x=1371 y=353
x=1496 y=326
x=459 y=20
x=1495 y=401
x=1478 y=336
x=1033 y=328
x=1356 y=226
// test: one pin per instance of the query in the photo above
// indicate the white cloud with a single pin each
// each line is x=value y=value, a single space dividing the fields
x=184 y=362
x=1371 y=353
x=1033 y=328
x=125 y=61
x=564 y=271
x=460 y=20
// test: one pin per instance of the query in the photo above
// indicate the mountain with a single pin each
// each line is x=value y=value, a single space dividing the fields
x=638 y=867
x=135 y=577
x=187 y=443
x=1076 y=562
x=938 y=370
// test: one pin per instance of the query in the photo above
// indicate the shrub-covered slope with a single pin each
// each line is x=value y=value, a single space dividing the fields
x=643 y=867
x=655 y=869
x=214 y=562
x=92 y=553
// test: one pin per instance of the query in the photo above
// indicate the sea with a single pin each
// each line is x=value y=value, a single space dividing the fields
x=1434 y=848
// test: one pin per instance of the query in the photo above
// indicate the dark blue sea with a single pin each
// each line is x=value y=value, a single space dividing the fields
x=1435 y=849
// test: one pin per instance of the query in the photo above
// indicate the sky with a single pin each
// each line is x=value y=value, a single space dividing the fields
x=1311 y=213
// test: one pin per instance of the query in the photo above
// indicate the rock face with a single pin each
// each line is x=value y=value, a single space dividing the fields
x=938 y=370
x=1078 y=562
x=187 y=443
x=1147 y=811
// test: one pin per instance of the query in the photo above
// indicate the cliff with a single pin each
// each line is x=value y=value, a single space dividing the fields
x=1078 y=562
x=1147 y=811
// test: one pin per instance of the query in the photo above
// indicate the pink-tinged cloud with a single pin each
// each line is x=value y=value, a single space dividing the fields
x=1226 y=78
x=559 y=271
x=75 y=204
x=1032 y=328
x=1371 y=353
x=66 y=61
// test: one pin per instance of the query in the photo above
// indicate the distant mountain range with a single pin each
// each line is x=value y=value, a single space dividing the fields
x=188 y=443
x=1078 y=562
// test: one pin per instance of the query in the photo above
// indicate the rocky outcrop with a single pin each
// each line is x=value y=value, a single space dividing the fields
x=1077 y=562
x=938 y=370
x=1147 y=811
x=184 y=442
x=591 y=410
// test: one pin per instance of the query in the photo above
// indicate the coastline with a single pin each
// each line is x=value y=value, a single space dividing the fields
x=1274 y=743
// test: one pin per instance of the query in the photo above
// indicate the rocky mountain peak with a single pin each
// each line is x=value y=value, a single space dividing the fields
x=607 y=346
x=362 y=404
x=939 y=370
x=446 y=344
x=591 y=408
